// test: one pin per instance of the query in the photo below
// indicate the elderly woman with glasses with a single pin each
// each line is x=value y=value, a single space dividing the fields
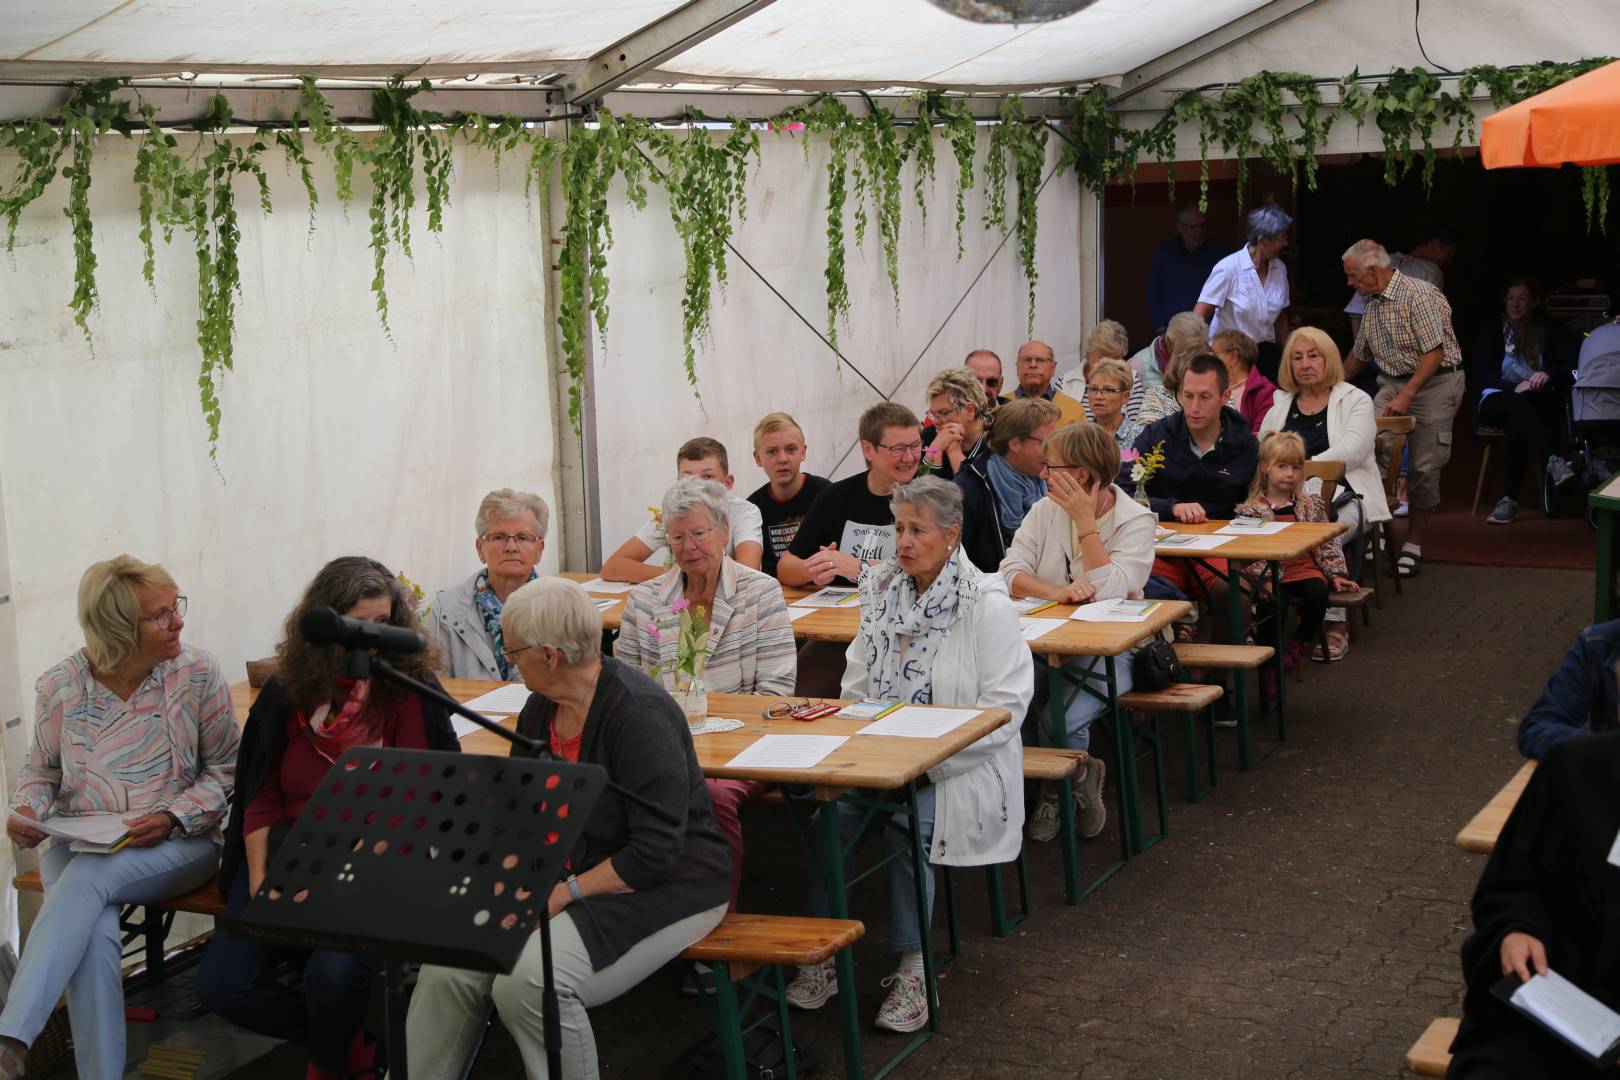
x=750 y=647
x=1087 y=540
x=1108 y=340
x=465 y=620
x=641 y=890
x=960 y=411
x=1109 y=386
x=306 y=715
x=1248 y=290
x=934 y=631
x=136 y=725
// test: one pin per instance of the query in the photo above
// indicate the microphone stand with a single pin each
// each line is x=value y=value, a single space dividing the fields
x=362 y=663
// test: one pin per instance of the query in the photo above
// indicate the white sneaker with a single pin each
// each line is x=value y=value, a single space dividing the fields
x=1559 y=470
x=906 y=1007
x=1043 y=823
x=1400 y=509
x=813 y=986
x=1507 y=508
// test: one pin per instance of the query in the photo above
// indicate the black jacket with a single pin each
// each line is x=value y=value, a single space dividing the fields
x=1219 y=480
x=1559 y=354
x=264 y=740
x=1549 y=877
x=636 y=732
x=984 y=541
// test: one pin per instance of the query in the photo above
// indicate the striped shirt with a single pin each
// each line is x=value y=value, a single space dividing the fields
x=750 y=648
x=171 y=746
x=1403 y=322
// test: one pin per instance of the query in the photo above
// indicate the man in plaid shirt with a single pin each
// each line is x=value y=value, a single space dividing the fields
x=1406 y=331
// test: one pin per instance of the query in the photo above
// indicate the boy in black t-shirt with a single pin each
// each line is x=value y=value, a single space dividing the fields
x=787 y=493
x=850 y=522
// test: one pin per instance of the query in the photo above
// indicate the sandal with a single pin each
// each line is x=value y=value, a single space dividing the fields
x=1338 y=647
x=1408 y=563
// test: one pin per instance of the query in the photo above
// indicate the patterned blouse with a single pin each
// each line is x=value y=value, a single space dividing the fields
x=171 y=746
x=750 y=650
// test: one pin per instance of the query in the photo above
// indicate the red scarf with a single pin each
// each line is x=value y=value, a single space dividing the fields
x=352 y=725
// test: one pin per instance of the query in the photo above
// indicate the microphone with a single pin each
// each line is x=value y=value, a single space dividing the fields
x=323 y=626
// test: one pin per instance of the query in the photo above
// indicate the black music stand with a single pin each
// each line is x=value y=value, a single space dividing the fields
x=421 y=855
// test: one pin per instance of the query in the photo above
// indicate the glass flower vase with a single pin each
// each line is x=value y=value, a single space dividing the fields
x=693 y=698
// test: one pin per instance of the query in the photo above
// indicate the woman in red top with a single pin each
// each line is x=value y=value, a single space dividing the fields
x=1277 y=495
x=306 y=715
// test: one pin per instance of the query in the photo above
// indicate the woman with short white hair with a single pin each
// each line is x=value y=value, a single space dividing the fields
x=138 y=724
x=465 y=619
x=934 y=631
x=1248 y=290
x=641 y=890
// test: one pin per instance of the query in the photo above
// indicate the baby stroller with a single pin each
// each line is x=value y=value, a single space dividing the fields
x=1594 y=417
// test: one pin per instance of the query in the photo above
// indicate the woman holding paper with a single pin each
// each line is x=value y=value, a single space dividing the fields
x=641 y=889
x=137 y=726
x=1086 y=541
x=934 y=631
x=1547 y=901
x=750 y=647
x=465 y=620
x=306 y=715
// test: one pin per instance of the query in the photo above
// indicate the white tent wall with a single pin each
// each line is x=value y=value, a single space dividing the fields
x=761 y=358
x=334 y=441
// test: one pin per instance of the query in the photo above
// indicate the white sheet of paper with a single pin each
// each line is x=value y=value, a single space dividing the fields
x=614 y=587
x=1260 y=528
x=1193 y=541
x=101 y=829
x=1570 y=1011
x=831 y=596
x=1033 y=628
x=1115 y=611
x=919 y=722
x=787 y=751
x=1614 y=851
x=604 y=604
x=509 y=699
x=797 y=613
x=464 y=727
x=1030 y=603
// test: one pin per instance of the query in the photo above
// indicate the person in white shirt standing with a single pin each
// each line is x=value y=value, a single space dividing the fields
x=706 y=459
x=1248 y=290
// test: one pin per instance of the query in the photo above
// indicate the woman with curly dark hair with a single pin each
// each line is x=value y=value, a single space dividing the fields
x=306 y=715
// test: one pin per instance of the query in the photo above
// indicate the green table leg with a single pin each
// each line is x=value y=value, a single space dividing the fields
x=1604 y=607
x=1057 y=698
x=832 y=869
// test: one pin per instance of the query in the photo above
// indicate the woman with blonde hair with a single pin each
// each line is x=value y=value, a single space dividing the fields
x=1108 y=387
x=1336 y=423
x=139 y=724
x=1108 y=340
x=1086 y=540
x=959 y=415
x=1277 y=494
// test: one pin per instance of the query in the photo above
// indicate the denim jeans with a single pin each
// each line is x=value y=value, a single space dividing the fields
x=235 y=983
x=905 y=924
x=75 y=943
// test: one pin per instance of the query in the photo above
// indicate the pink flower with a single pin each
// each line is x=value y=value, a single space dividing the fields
x=1130 y=454
x=680 y=605
x=653 y=630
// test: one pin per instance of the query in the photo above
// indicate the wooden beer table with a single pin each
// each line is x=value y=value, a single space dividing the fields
x=878 y=773
x=1291 y=543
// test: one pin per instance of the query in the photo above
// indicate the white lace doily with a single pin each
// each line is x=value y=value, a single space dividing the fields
x=716 y=724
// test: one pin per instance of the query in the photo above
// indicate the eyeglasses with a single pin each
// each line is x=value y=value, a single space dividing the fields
x=1049 y=467
x=1037 y=360
x=991 y=385
x=509 y=653
x=164 y=619
x=502 y=539
x=1108 y=391
x=901 y=450
x=946 y=413
x=696 y=536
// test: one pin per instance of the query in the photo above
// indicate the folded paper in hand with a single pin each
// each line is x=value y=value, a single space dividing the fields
x=101 y=830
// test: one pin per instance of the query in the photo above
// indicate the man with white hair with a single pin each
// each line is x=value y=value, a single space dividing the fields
x=1407 y=331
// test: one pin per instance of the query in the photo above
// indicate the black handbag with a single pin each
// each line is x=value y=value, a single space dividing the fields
x=1155 y=666
x=762 y=1058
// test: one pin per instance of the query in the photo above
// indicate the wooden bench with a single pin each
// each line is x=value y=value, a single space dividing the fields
x=755 y=951
x=1188 y=700
x=156 y=918
x=1431 y=1054
x=1479 y=835
x=1223 y=657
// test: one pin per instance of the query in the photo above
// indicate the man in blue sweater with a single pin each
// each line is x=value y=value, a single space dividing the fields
x=1581 y=695
x=1180 y=267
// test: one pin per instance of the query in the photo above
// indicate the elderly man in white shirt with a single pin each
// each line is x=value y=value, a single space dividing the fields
x=706 y=459
x=1248 y=290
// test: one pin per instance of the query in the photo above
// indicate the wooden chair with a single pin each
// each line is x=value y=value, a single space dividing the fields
x=1399 y=429
x=1487 y=438
x=1331 y=473
x=260 y=670
x=1431 y=1054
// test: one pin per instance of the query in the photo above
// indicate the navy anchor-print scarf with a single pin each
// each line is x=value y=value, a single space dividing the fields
x=909 y=629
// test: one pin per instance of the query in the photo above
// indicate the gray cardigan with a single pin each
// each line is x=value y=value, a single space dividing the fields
x=458 y=633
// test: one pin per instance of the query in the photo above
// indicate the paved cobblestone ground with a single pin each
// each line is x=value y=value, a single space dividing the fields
x=1302 y=921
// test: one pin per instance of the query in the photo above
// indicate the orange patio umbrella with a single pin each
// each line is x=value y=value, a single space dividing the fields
x=1577 y=122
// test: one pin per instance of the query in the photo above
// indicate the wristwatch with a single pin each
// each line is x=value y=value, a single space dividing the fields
x=178 y=826
x=573 y=888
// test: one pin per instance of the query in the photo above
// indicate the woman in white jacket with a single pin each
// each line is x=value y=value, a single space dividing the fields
x=935 y=631
x=1337 y=423
x=1086 y=541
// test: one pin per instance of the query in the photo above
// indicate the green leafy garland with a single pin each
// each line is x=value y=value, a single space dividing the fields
x=1278 y=117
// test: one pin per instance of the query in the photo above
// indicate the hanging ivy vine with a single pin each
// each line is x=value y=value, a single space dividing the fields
x=1281 y=118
